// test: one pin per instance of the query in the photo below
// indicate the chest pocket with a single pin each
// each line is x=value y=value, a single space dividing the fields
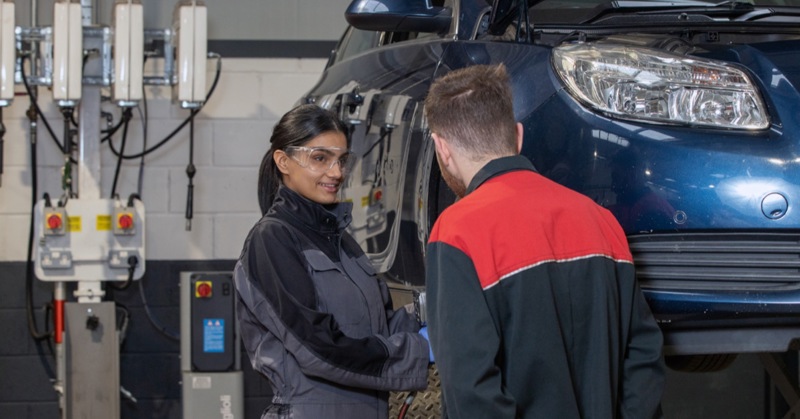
x=338 y=295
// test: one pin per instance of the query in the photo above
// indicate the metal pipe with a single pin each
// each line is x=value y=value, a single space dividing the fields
x=87 y=13
x=59 y=297
x=2 y=134
x=35 y=45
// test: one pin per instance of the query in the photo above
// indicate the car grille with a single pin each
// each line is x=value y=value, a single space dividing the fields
x=700 y=260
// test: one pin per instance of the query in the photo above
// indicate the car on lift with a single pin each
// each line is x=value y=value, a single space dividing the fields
x=682 y=117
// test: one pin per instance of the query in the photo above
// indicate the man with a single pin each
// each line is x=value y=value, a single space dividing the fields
x=533 y=307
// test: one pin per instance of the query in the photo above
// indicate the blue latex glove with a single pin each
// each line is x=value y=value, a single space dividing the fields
x=424 y=332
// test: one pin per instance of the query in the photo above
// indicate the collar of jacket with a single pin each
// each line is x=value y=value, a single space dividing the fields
x=326 y=219
x=499 y=166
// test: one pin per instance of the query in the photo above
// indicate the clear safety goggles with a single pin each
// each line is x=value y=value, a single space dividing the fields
x=321 y=159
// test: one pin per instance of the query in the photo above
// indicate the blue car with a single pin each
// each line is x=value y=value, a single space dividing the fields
x=682 y=117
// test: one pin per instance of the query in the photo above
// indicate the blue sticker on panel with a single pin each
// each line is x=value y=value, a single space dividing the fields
x=214 y=335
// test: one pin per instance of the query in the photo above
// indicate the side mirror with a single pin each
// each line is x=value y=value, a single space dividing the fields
x=398 y=16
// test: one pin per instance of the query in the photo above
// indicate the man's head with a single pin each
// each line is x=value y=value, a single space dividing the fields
x=471 y=117
x=472 y=109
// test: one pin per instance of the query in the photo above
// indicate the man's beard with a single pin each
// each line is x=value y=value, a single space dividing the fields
x=454 y=184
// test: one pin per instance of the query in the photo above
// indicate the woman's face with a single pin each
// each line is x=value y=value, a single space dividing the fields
x=315 y=170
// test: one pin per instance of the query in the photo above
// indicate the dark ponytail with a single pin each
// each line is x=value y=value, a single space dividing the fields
x=297 y=127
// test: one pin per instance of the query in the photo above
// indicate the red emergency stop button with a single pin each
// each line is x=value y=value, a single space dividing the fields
x=202 y=289
x=54 y=221
x=125 y=221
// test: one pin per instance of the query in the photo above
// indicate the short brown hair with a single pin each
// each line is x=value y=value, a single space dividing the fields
x=473 y=109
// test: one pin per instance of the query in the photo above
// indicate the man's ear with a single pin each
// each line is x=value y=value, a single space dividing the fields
x=520 y=130
x=281 y=160
x=442 y=148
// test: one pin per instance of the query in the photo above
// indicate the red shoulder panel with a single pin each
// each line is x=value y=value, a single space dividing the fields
x=521 y=219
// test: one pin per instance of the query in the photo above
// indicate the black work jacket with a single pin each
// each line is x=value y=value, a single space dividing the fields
x=317 y=322
x=533 y=306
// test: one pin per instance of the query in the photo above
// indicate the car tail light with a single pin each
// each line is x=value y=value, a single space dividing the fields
x=655 y=86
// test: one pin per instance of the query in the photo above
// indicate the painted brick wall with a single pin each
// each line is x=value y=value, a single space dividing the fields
x=231 y=135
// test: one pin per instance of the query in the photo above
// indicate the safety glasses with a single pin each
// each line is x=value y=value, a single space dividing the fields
x=321 y=159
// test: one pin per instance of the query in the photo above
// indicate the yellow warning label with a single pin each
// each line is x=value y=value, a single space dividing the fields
x=364 y=201
x=74 y=224
x=104 y=222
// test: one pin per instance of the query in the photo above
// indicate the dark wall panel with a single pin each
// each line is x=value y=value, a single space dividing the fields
x=149 y=355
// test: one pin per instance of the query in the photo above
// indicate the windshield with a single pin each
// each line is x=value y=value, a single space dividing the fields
x=611 y=12
x=588 y=4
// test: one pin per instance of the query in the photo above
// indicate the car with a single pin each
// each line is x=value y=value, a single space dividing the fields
x=681 y=117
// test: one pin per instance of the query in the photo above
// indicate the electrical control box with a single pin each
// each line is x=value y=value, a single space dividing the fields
x=89 y=239
x=210 y=348
x=213 y=322
x=67 y=51
x=8 y=54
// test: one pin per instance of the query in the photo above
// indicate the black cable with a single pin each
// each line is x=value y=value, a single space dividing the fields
x=73 y=121
x=161 y=329
x=36 y=106
x=68 y=115
x=190 y=171
x=133 y=261
x=48 y=367
x=2 y=144
x=111 y=131
x=48 y=314
x=143 y=117
x=66 y=177
x=183 y=124
x=122 y=325
x=132 y=197
x=157 y=146
x=32 y=327
x=126 y=116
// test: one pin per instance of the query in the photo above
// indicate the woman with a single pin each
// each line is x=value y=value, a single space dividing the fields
x=314 y=318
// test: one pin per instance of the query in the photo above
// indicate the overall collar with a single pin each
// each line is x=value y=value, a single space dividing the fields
x=293 y=207
x=497 y=167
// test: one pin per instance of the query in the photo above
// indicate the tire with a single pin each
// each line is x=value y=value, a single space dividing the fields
x=700 y=363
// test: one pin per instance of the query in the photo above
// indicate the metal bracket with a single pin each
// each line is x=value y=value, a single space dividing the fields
x=779 y=374
x=158 y=43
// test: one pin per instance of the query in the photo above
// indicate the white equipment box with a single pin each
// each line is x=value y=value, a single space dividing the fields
x=89 y=240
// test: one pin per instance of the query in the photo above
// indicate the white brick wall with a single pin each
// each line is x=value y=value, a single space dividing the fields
x=231 y=134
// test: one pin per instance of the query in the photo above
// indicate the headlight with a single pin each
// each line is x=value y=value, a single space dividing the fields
x=651 y=85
